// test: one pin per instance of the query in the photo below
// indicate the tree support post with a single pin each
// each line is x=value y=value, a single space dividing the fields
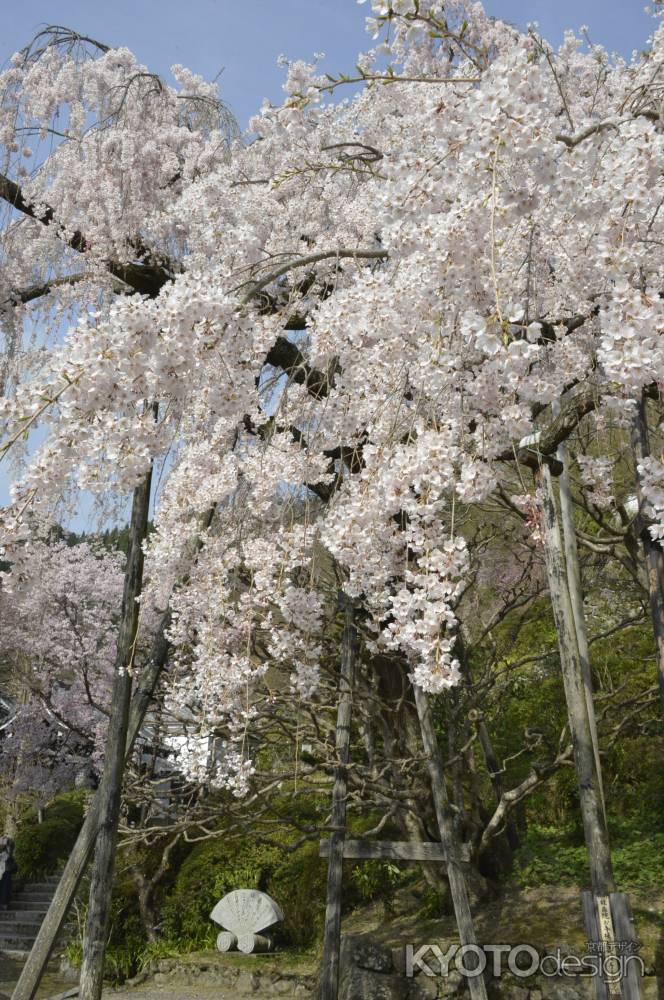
x=332 y=933
x=596 y=834
x=448 y=837
x=35 y=966
x=576 y=598
x=654 y=555
x=52 y=924
x=131 y=720
x=110 y=791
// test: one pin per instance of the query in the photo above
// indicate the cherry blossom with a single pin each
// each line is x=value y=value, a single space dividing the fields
x=350 y=322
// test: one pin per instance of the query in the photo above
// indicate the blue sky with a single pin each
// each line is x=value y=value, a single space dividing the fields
x=243 y=38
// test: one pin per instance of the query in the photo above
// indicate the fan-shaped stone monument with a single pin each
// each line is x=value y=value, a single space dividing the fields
x=243 y=914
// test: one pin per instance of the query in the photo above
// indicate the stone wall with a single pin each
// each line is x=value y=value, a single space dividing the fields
x=370 y=970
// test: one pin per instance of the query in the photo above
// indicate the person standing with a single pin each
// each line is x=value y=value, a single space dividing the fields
x=7 y=868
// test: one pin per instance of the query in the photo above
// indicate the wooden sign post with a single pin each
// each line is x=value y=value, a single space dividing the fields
x=610 y=928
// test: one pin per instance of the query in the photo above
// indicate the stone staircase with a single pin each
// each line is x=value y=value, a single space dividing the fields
x=20 y=923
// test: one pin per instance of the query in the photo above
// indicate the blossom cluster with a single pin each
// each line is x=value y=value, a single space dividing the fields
x=360 y=314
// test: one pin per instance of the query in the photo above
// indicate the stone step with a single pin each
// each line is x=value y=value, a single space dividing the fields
x=22 y=939
x=21 y=904
x=13 y=917
x=32 y=897
x=10 y=941
x=11 y=929
x=45 y=887
x=29 y=918
x=20 y=955
x=16 y=954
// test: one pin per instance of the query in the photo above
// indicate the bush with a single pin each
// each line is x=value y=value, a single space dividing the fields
x=212 y=869
x=295 y=879
x=547 y=858
x=298 y=884
x=42 y=848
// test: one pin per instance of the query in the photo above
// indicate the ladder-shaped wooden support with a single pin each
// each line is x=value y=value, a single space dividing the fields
x=332 y=933
x=394 y=850
x=449 y=851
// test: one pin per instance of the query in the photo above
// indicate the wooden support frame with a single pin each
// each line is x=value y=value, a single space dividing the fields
x=332 y=933
x=394 y=850
x=448 y=851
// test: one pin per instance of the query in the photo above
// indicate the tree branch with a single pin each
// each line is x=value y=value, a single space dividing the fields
x=146 y=279
x=312 y=258
x=33 y=292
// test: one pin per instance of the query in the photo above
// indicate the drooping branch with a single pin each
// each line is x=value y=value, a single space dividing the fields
x=541 y=447
x=38 y=291
x=147 y=278
x=573 y=140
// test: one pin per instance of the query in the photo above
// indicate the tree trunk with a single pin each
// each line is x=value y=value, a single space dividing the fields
x=490 y=760
x=458 y=887
x=455 y=764
x=654 y=556
x=576 y=598
x=110 y=791
x=11 y=819
x=493 y=768
x=147 y=909
x=402 y=739
x=596 y=834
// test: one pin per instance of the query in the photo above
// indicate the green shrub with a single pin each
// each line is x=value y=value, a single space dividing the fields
x=376 y=880
x=295 y=879
x=547 y=858
x=42 y=848
x=213 y=868
x=640 y=862
x=298 y=884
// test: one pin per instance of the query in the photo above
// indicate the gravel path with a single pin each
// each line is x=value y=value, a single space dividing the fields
x=172 y=992
x=152 y=992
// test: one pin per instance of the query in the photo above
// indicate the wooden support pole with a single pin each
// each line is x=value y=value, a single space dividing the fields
x=576 y=598
x=110 y=790
x=614 y=946
x=56 y=914
x=623 y=925
x=654 y=555
x=448 y=836
x=595 y=941
x=332 y=933
x=35 y=966
x=596 y=835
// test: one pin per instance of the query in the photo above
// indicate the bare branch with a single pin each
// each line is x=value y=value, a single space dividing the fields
x=312 y=258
